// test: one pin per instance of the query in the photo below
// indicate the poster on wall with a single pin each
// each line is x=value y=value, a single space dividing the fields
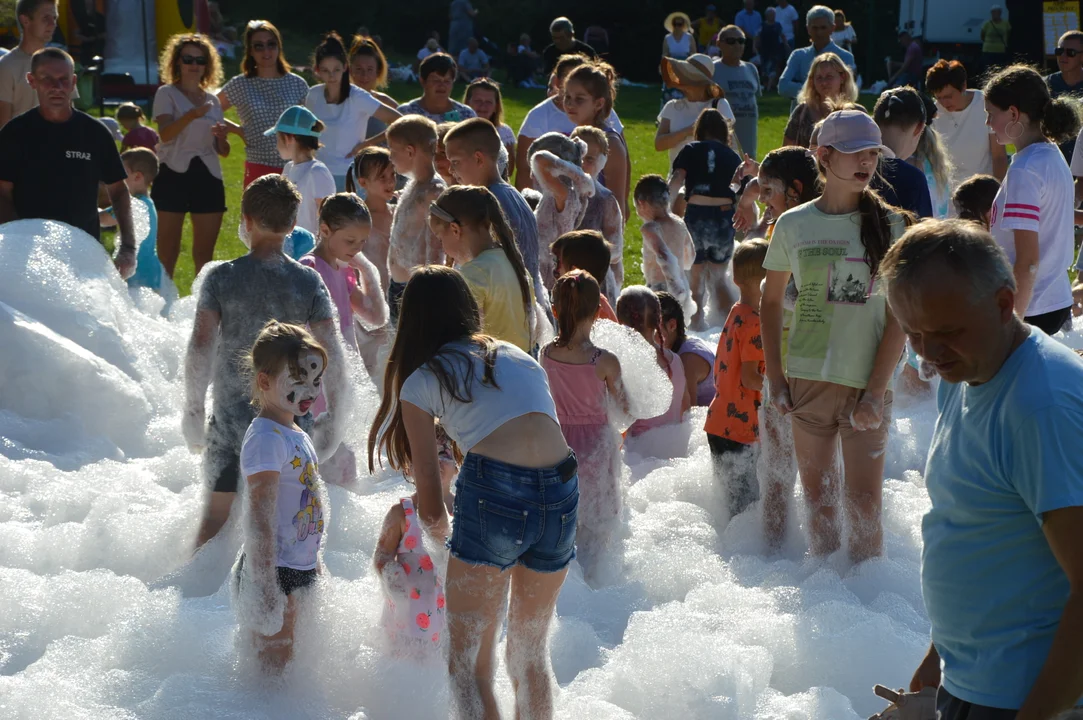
x=1058 y=18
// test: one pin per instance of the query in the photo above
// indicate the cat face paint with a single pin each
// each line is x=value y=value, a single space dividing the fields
x=296 y=395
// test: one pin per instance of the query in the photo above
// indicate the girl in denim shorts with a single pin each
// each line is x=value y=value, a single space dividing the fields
x=516 y=496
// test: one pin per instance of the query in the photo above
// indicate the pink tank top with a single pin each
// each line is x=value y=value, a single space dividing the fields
x=577 y=392
x=421 y=616
x=673 y=415
x=340 y=284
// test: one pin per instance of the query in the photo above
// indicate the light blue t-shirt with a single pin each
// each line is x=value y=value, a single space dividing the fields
x=1003 y=453
x=148 y=269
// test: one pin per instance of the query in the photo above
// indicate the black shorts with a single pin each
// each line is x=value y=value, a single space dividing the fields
x=289 y=579
x=194 y=191
x=712 y=233
x=1051 y=322
x=222 y=458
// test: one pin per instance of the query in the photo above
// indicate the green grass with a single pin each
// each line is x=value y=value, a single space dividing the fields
x=638 y=108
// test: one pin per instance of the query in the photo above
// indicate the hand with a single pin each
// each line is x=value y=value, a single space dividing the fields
x=928 y=672
x=746 y=169
x=124 y=261
x=220 y=131
x=200 y=110
x=194 y=429
x=869 y=412
x=744 y=217
x=1077 y=299
x=779 y=395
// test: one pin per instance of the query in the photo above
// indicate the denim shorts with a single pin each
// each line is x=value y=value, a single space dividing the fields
x=712 y=233
x=506 y=515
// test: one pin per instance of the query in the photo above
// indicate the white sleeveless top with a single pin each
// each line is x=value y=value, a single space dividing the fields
x=679 y=49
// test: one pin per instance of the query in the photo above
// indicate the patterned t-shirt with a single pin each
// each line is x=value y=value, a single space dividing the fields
x=457 y=113
x=733 y=414
x=259 y=102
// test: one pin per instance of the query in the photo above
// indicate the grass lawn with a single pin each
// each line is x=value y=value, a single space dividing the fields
x=638 y=108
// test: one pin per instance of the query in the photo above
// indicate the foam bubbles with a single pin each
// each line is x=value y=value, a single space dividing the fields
x=105 y=617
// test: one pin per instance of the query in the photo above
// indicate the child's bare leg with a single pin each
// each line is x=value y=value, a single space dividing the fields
x=215 y=514
x=816 y=458
x=863 y=455
x=780 y=473
x=275 y=651
x=475 y=598
x=533 y=599
x=699 y=290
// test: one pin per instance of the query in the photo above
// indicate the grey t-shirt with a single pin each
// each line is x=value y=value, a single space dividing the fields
x=246 y=293
x=742 y=85
x=523 y=224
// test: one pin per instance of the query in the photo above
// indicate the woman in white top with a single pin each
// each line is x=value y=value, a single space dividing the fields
x=678 y=44
x=344 y=110
x=844 y=34
x=694 y=78
x=1032 y=216
x=960 y=120
x=516 y=496
x=193 y=136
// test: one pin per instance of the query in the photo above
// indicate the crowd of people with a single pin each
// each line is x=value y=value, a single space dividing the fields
x=869 y=254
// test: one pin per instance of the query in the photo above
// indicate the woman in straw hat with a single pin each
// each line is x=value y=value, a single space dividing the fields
x=692 y=77
x=678 y=44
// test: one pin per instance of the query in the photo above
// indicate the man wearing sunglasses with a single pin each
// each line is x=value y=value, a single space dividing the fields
x=820 y=23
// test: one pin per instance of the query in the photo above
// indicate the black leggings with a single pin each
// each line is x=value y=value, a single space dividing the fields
x=1051 y=322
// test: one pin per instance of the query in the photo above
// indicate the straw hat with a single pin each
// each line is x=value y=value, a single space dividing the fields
x=696 y=71
x=673 y=16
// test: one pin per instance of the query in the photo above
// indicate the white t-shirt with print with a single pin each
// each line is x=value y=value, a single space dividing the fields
x=1038 y=194
x=270 y=447
x=313 y=181
x=344 y=125
x=966 y=137
x=683 y=114
x=547 y=117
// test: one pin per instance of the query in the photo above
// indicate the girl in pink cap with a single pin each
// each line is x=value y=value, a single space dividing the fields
x=843 y=343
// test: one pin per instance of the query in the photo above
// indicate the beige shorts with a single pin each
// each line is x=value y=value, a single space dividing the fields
x=822 y=410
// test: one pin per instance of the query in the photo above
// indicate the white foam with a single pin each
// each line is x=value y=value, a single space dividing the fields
x=99 y=499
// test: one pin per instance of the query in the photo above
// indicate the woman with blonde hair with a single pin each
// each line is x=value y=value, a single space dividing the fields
x=261 y=93
x=829 y=83
x=193 y=136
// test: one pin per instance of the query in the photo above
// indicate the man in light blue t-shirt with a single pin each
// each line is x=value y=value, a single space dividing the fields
x=1002 y=565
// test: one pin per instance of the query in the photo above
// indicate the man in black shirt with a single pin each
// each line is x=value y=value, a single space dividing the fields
x=53 y=157
x=564 y=43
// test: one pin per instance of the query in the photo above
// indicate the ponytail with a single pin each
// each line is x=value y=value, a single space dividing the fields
x=332 y=46
x=576 y=297
x=1060 y=121
x=503 y=234
x=1024 y=88
x=876 y=226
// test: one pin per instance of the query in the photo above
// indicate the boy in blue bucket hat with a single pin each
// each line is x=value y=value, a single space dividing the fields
x=298 y=132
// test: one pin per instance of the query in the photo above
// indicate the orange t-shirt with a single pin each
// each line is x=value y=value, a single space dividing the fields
x=733 y=413
x=605 y=310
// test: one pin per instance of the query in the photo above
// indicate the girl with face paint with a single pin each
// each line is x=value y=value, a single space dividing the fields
x=284 y=495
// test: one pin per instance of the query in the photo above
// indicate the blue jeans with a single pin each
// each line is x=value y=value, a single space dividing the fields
x=506 y=515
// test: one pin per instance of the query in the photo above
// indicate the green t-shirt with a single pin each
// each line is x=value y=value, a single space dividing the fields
x=839 y=319
x=994 y=36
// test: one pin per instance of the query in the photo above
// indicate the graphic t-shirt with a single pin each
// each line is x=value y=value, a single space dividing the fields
x=839 y=317
x=314 y=181
x=742 y=86
x=271 y=447
x=733 y=414
x=1038 y=194
x=492 y=281
x=345 y=125
x=1003 y=454
x=56 y=167
x=708 y=166
x=260 y=102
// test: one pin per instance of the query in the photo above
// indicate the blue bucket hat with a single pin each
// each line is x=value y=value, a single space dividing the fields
x=296 y=120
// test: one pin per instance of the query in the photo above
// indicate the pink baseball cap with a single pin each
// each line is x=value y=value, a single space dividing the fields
x=851 y=131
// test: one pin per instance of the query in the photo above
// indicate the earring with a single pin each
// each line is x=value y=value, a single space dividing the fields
x=1007 y=131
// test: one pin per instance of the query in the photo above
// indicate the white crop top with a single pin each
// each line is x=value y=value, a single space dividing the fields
x=522 y=388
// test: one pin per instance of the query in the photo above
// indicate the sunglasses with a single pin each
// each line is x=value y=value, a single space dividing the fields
x=678 y=23
x=1070 y=52
x=269 y=45
x=193 y=60
x=734 y=41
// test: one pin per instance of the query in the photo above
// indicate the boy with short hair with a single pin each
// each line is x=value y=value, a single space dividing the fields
x=603 y=211
x=585 y=250
x=668 y=251
x=142 y=167
x=473 y=150
x=411 y=141
x=136 y=134
x=236 y=300
x=733 y=428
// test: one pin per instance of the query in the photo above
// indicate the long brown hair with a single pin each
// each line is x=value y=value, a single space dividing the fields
x=576 y=297
x=437 y=308
x=366 y=46
x=332 y=47
x=479 y=208
x=497 y=118
x=639 y=309
x=600 y=80
x=248 y=65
